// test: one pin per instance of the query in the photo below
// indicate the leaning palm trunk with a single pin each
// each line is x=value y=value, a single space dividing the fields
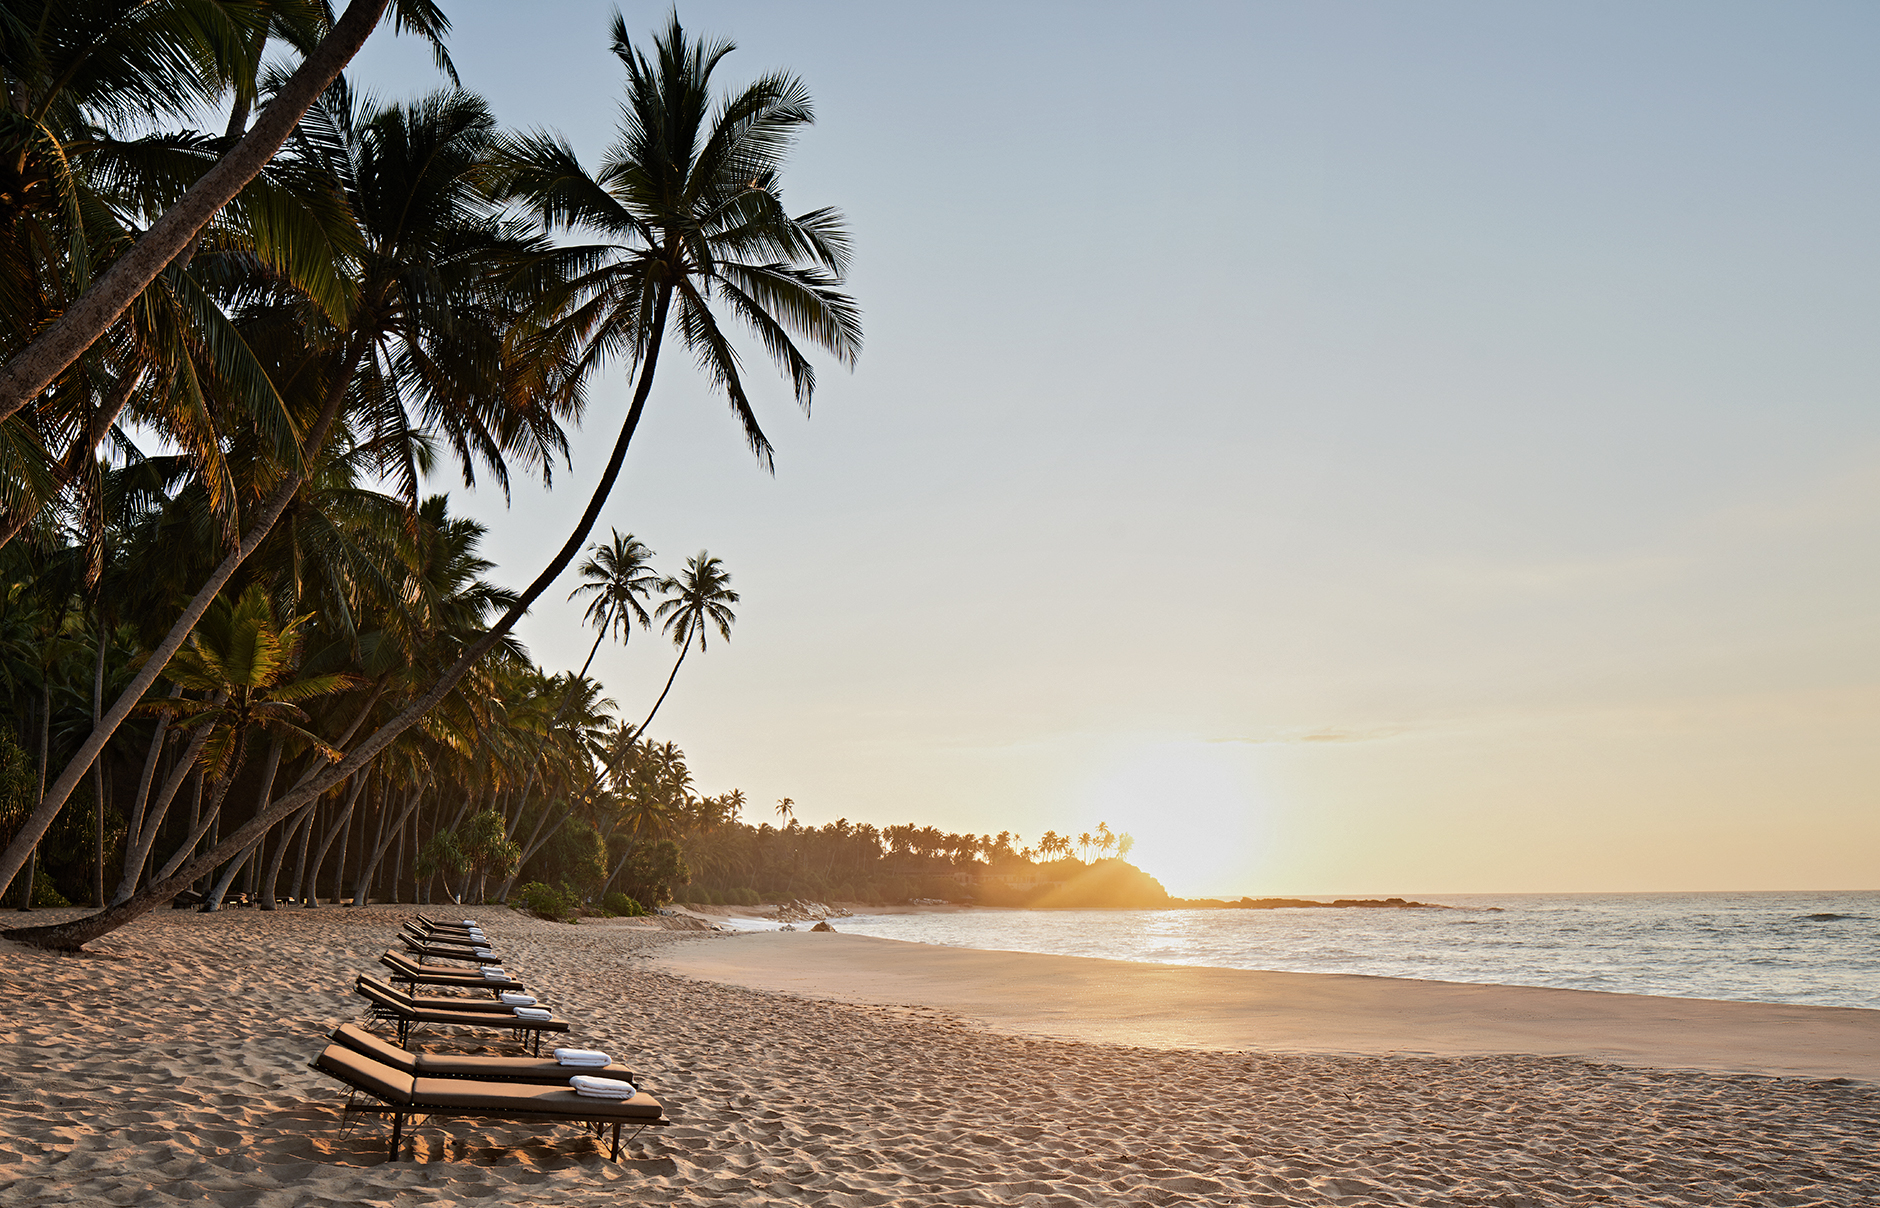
x=134 y=832
x=209 y=818
x=135 y=862
x=687 y=649
x=362 y=884
x=300 y=861
x=55 y=798
x=295 y=829
x=85 y=321
x=332 y=833
x=261 y=803
x=77 y=932
x=220 y=888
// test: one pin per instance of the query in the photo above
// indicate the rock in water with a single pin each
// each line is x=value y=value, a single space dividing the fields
x=822 y=926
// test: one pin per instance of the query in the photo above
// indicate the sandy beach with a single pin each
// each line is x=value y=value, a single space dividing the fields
x=168 y=1065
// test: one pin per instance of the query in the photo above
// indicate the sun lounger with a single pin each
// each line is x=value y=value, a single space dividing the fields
x=425 y=951
x=410 y=975
x=545 y=1070
x=390 y=1091
x=440 y=934
x=403 y=1011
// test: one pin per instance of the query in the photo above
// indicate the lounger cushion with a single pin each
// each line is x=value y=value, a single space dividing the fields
x=402 y=1004
x=467 y=977
x=527 y=1098
x=505 y=1069
x=374 y=1077
x=356 y=1038
x=432 y=1002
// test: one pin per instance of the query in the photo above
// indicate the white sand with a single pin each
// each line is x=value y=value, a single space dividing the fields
x=169 y=1067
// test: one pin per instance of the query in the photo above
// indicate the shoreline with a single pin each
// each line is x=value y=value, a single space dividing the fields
x=1103 y=1001
x=167 y=1065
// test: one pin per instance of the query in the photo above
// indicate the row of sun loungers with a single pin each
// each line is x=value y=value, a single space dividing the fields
x=576 y=1086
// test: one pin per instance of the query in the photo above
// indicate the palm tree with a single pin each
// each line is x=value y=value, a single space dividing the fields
x=618 y=575
x=243 y=663
x=786 y=809
x=424 y=329
x=688 y=209
x=699 y=598
x=139 y=48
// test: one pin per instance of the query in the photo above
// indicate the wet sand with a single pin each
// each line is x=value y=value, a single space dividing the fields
x=1175 y=1006
x=168 y=1066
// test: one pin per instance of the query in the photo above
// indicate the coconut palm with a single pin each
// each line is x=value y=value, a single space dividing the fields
x=243 y=663
x=424 y=331
x=700 y=598
x=688 y=211
x=138 y=58
x=617 y=576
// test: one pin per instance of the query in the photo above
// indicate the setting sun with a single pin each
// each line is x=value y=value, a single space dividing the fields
x=1194 y=810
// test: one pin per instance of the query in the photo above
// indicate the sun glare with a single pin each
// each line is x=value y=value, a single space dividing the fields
x=1197 y=818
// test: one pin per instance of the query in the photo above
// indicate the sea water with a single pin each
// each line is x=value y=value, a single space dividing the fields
x=1818 y=949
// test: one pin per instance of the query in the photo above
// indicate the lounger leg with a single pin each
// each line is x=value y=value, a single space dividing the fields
x=398 y=1131
x=616 y=1155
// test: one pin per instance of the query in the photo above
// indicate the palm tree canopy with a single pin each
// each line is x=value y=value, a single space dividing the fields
x=687 y=208
x=698 y=598
x=616 y=576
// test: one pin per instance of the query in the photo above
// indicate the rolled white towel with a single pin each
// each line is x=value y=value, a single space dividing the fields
x=483 y=953
x=534 y=1013
x=602 y=1088
x=469 y=922
x=494 y=973
x=513 y=999
x=585 y=1057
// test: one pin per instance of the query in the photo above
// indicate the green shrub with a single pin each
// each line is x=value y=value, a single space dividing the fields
x=46 y=895
x=744 y=895
x=546 y=901
x=618 y=903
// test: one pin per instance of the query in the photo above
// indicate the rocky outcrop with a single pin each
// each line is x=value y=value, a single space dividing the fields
x=800 y=911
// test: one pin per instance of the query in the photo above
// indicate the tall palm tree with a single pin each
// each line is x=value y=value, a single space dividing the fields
x=425 y=330
x=617 y=574
x=616 y=577
x=90 y=316
x=698 y=599
x=688 y=210
x=244 y=664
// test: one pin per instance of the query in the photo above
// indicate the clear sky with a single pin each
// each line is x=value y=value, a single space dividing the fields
x=1352 y=447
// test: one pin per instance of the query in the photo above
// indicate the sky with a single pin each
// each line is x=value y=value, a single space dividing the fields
x=1351 y=447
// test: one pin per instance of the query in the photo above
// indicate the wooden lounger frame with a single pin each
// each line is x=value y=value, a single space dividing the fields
x=363 y=1101
x=526 y=1032
x=441 y=975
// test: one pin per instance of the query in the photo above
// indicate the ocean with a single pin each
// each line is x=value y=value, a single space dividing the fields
x=1816 y=949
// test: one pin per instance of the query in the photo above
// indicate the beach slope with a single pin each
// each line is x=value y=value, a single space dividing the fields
x=1179 y=1006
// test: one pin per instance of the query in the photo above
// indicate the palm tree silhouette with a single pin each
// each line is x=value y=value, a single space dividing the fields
x=617 y=577
x=786 y=808
x=687 y=213
x=698 y=598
